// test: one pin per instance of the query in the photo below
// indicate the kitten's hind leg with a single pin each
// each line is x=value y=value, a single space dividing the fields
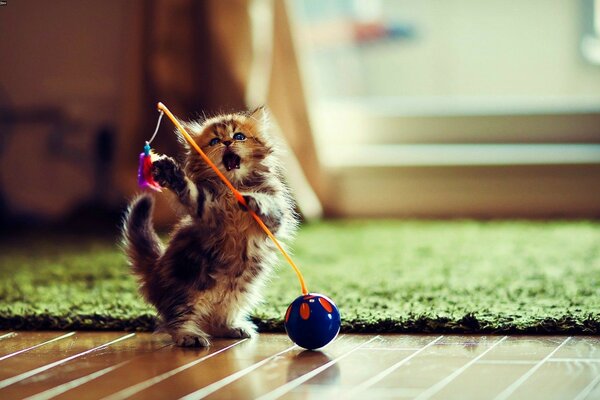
x=231 y=325
x=241 y=329
x=188 y=334
x=183 y=324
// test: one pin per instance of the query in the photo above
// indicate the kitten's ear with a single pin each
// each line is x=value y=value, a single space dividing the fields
x=191 y=127
x=180 y=137
x=260 y=114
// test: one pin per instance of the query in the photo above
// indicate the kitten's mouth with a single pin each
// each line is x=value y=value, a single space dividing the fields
x=231 y=161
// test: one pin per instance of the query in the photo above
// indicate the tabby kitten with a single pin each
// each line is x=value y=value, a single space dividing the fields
x=211 y=273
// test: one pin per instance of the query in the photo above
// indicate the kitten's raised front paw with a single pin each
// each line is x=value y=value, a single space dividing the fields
x=167 y=173
x=191 y=341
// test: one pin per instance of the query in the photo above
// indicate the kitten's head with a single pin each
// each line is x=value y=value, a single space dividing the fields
x=238 y=144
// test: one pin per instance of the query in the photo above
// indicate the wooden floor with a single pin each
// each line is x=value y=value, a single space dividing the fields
x=118 y=365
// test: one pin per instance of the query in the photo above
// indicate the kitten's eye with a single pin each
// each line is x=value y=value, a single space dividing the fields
x=214 y=141
x=239 y=136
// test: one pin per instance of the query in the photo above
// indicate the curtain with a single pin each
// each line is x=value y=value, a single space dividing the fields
x=196 y=57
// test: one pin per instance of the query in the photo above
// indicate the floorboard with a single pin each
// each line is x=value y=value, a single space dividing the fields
x=121 y=365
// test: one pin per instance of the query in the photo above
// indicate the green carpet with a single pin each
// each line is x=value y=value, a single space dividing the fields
x=385 y=276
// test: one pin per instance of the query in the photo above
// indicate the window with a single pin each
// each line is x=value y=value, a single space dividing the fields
x=399 y=83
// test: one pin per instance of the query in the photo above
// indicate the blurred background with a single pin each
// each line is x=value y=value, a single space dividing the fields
x=389 y=108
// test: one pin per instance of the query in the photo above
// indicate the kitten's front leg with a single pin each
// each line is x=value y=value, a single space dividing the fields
x=169 y=174
x=266 y=208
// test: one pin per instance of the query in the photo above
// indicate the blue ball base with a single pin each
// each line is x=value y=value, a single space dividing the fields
x=312 y=321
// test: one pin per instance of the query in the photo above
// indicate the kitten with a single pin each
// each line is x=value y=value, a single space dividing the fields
x=211 y=274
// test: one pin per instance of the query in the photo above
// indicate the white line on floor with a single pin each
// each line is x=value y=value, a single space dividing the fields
x=391 y=348
x=131 y=390
x=552 y=360
x=57 y=390
x=7 y=382
x=213 y=387
x=444 y=382
x=515 y=385
x=7 y=335
x=291 y=385
x=373 y=380
x=588 y=389
x=574 y=360
x=36 y=346
x=507 y=362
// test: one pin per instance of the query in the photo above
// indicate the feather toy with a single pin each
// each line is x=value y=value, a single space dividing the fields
x=145 y=179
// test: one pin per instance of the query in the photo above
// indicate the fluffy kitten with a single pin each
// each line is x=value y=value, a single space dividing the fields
x=208 y=277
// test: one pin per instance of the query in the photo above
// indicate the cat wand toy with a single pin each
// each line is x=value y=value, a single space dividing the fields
x=312 y=320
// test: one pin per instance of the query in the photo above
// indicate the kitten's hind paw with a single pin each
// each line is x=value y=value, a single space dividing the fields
x=191 y=341
x=239 y=332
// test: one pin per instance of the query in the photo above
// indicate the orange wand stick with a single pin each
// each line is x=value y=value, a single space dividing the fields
x=238 y=195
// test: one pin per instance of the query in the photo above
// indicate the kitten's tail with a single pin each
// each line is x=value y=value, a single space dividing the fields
x=142 y=245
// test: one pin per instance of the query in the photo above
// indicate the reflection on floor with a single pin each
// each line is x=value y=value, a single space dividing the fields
x=119 y=365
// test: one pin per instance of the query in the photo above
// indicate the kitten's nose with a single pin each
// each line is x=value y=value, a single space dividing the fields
x=227 y=142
